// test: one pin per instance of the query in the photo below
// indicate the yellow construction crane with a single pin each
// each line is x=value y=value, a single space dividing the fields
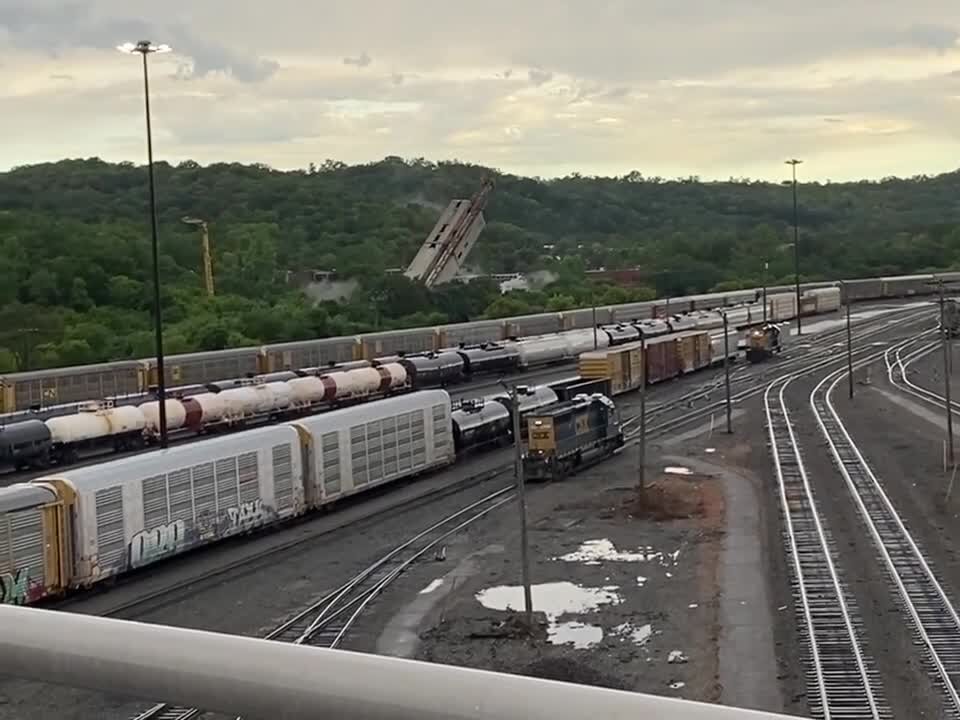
x=207 y=262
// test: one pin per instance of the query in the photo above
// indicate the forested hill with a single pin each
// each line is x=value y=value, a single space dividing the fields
x=74 y=280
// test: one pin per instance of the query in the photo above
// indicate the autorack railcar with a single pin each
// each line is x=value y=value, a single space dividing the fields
x=81 y=526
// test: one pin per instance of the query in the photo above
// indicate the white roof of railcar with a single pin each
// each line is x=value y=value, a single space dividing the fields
x=96 y=477
x=24 y=495
x=908 y=277
x=371 y=411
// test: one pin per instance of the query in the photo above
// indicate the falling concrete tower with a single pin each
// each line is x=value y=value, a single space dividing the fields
x=446 y=248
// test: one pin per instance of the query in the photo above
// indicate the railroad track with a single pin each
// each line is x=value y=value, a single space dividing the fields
x=326 y=622
x=929 y=612
x=752 y=385
x=897 y=364
x=842 y=682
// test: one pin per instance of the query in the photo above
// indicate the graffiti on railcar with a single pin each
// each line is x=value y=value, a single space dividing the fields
x=249 y=515
x=150 y=545
x=17 y=588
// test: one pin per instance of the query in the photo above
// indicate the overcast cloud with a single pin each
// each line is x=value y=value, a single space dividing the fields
x=859 y=88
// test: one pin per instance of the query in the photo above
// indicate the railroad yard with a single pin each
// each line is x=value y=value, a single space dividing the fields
x=770 y=568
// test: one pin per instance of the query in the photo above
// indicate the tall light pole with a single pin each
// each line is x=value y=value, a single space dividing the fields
x=207 y=261
x=522 y=498
x=796 y=239
x=946 y=371
x=766 y=267
x=144 y=48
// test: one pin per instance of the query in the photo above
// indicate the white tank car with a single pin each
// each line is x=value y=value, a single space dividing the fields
x=79 y=427
x=349 y=384
x=366 y=381
x=141 y=509
x=125 y=419
x=542 y=350
x=581 y=341
x=280 y=395
x=255 y=399
x=397 y=373
x=92 y=424
x=212 y=408
x=306 y=390
x=401 y=436
x=176 y=414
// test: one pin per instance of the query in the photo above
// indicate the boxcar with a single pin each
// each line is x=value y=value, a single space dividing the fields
x=358 y=448
x=139 y=510
x=623 y=365
x=662 y=362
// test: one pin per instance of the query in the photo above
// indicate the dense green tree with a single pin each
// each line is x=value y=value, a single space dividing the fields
x=76 y=280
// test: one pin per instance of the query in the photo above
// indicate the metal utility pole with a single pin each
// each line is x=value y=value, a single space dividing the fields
x=522 y=497
x=766 y=266
x=946 y=375
x=642 y=444
x=207 y=258
x=796 y=240
x=726 y=370
x=144 y=48
x=594 y=323
x=849 y=348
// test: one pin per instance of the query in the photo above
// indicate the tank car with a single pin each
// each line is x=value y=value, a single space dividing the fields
x=579 y=341
x=25 y=444
x=489 y=358
x=204 y=410
x=653 y=328
x=479 y=423
x=681 y=323
x=621 y=334
x=541 y=350
x=175 y=410
x=434 y=370
x=95 y=427
x=563 y=436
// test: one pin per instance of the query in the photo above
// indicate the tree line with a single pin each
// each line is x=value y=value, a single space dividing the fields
x=75 y=281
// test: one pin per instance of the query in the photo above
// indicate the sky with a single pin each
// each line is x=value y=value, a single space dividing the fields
x=855 y=88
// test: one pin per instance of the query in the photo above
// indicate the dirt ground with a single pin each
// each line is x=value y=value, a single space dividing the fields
x=627 y=588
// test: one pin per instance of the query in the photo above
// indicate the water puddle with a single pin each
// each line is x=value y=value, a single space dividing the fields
x=597 y=552
x=678 y=471
x=434 y=584
x=578 y=634
x=555 y=600
x=592 y=552
x=639 y=635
